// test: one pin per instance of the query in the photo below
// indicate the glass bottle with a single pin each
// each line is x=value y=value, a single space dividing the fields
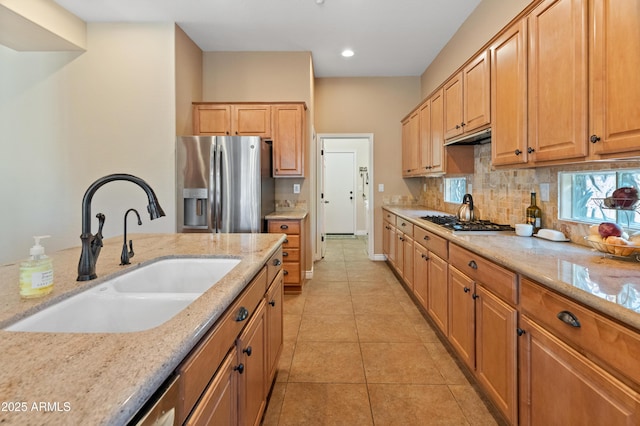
x=534 y=214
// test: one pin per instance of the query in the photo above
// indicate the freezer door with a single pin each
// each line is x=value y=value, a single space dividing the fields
x=237 y=184
x=194 y=197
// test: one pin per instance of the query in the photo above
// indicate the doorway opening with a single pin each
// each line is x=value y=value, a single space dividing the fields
x=345 y=188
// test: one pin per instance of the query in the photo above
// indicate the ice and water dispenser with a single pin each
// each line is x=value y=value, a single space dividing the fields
x=196 y=208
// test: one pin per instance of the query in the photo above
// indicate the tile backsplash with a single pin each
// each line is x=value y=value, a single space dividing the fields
x=503 y=195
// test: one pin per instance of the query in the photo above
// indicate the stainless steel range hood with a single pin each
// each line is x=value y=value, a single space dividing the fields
x=477 y=138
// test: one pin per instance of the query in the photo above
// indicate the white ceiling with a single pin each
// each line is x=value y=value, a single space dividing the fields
x=389 y=37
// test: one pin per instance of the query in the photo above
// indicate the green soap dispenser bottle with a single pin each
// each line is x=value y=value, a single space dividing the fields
x=36 y=273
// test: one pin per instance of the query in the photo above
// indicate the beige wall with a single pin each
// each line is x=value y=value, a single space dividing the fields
x=484 y=22
x=269 y=77
x=188 y=80
x=67 y=119
x=371 y=105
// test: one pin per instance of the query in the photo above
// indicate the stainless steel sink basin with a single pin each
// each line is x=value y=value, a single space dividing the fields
x=138 y=300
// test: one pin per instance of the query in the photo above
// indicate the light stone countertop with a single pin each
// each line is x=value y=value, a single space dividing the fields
x=287 y=215
x=104 y=379
x=608 y=285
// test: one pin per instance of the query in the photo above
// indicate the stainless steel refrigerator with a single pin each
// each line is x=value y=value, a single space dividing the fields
x=224 y=183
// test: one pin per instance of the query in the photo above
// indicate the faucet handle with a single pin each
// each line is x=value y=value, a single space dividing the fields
x=131 y=253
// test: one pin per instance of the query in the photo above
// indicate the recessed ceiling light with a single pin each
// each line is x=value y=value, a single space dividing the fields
x=347 y=53
x=319 y=1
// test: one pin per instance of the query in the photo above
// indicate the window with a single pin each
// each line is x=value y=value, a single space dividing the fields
x=582 y=196
x=454 y=189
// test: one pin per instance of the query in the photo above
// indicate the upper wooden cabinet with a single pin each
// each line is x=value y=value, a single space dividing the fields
x=283 y=123
x=557 y=81
x=411 y=146
x=467 y=98
x=509 y=96
x=232 y=119
x=289 y=131
x=615 y=79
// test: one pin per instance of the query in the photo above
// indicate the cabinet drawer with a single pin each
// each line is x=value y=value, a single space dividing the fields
x=404 y=226
x=291 y=255
x=389 y=217
x=274 y=264
x=292 y=241
x=285 y=226
x=291 y=272
x=204 y=360
x=431 y=242
x=596 y=336
x=500 y=281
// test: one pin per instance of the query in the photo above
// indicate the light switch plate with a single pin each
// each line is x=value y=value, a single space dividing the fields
x=296 y=188
x=381 y=187
x=544 y=192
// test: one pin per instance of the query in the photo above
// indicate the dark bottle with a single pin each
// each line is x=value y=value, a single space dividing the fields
x=534 y=214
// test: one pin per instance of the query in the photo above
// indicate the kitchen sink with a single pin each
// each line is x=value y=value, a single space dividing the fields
x=138 y=300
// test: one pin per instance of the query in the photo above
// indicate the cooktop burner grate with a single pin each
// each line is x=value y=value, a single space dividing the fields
x=453 y=223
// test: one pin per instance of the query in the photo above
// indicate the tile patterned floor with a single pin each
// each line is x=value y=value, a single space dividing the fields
x=358 y=351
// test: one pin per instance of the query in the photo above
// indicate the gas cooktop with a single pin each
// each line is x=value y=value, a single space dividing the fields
x=454 y=224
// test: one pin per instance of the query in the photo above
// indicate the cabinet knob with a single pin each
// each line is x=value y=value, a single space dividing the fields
x=286 y=241
x=475 y=296
x=473 y=265
x=463 y=124
x=466 y=289
x=226 y=133
x=520 y=331
x=247 y=351
x=426 y=238
x=594 y=139
x=285 y=254
x=284 y=226
x=530 y=150
x=568 y=318
x=285 y=272
x=517 y=152
x=457 y=126
x=277 y=262
x=272 y=303
x=239 y=368
x=242 y=315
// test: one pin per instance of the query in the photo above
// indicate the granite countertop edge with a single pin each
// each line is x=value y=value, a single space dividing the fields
x=287 y=215
x=518 y=249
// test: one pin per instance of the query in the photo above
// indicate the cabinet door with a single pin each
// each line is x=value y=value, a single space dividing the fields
x=399 y=257
x=438 y=298
x=386 y=231
x=406 y=148
x=453 y=109
x=393 y=244
x=462 y=316
x=615 y=80
x=420 y=273
x=496 y=351
x=407 y=273
x=288 y=140
x=252 y=354
x=424 y=137
x=476 y=94
x=437 y=132
x=560 y=386
x=557 y=78
x=219 y=403
x=274 y=308
x=251 y=120
x=212 y=120
x=509 y=96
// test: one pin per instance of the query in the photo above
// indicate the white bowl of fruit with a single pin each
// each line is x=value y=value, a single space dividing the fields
x=610 y=238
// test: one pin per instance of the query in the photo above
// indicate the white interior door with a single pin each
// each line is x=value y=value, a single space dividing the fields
x=321 y=202
x=339 y=195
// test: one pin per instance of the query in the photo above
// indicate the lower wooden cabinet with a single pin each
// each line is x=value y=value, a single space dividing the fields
x=438 y=293
x=559 y=385
x=275 y=331
x=252 y=355
x=293 y=251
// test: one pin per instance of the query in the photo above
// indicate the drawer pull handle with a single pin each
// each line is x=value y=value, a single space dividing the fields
x=239 y=368
x=426 y=238
x=466 y=289
x=569 y=318
x=473 y=264
x=277 y=262
x=285 y=254
x=247 y=351
x=243 y=314
x=284 y=226
x=272 y=303
x=286 y=241
x=403 y=224
x=285 y=272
